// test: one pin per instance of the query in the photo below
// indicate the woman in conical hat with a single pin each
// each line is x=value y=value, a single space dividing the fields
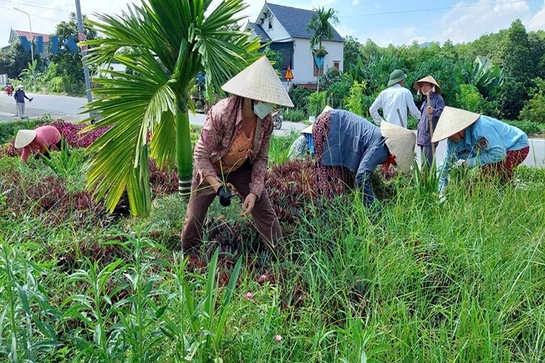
x=40 y=141
x=348 y=148
x=428 y=88
x=233 y=149
x=476 y=140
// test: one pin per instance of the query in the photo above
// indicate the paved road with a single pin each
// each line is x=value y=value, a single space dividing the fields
x=68 y=108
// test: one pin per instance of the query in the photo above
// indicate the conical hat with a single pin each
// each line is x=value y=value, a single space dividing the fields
x=24 y=137
x=428 y=79
x=453 y=120
x=400 y=142
x=259 y=82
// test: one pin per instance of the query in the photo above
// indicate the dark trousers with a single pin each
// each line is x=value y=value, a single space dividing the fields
x=263 y=214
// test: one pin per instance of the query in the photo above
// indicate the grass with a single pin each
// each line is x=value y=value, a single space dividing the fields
x=461 y=281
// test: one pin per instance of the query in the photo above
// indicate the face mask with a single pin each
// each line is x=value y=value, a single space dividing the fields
x=262 y=109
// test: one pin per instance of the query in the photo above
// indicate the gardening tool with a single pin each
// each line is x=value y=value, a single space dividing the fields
x=430 y=117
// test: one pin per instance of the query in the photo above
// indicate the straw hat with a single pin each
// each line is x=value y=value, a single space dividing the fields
x=428 y=79
x=259 y=82
x=396 y=76
x=308 y=130
x=453 y=120
x=400 y=142
x=20 y=86
x=24 y=137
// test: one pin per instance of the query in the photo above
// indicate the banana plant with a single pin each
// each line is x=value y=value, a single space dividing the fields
x=164 y=45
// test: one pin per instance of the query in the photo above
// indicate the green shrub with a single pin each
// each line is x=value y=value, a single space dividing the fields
x=469 y=98
x=9 y=129
x=299 y=97
x=529 y=127
x=316 y=103
x=293 y=114
x=534 y=109
x=356 y=101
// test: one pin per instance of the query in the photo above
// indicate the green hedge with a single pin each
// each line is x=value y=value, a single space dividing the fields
x=9 y=129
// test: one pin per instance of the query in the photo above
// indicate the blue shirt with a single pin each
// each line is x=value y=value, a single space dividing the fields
x=423 y=129
x=485 y=142
x=355 y=143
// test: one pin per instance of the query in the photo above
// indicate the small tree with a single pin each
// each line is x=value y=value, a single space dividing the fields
x=320 y=24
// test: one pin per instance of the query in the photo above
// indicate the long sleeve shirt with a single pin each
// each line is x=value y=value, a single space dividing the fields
x=46 y=136
x=423 y=137
x=390 y=100
x=20 y=96
x=222 y=126
x=355 y=143
x=485 y=142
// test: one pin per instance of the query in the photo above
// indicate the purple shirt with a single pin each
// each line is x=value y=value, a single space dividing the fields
x=437 y=102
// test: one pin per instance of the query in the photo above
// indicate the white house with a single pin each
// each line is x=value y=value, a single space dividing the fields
x=286 y=28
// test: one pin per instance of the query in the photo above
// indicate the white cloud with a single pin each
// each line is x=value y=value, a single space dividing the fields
x=538 y=20
x=467 y=22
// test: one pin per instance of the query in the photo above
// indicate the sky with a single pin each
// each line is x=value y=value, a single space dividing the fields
x=385 y=22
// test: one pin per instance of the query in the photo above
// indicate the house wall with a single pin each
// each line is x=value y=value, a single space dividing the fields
x=276 y=31
x=303 y=63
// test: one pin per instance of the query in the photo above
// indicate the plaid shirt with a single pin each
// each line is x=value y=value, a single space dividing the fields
x=222 y=126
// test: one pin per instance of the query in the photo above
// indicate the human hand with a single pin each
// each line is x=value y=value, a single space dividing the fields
x=249 y=204
x=460 y=163
x=30 y=99
x=225 y=195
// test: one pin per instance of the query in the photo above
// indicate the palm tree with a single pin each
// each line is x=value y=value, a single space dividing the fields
x=320 y=23
x=164 y=44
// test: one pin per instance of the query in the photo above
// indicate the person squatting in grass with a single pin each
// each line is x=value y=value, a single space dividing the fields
x=345 y=143
x=233 y=149
x=428 y=87
x=476 y=140
x=40 y=140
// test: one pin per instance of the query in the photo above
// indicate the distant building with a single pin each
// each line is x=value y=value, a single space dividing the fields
x=15 y=34
x=286 y=28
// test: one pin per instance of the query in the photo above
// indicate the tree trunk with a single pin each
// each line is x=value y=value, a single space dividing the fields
x=184 y=153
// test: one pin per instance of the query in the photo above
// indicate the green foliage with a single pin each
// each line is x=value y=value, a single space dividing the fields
x=293 y=114
x=15 y=59
x=534 y=108
x=469 y=98
x=299 y=96
x=8 y=130
x=154 y=100
x=337 y=93
x=529 y=127
x=27 y=318
x=316 y=103
x=488 y=79
x=320 y=26
x=356 y=101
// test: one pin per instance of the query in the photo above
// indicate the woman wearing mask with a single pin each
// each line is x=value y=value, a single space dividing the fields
x=233 y=149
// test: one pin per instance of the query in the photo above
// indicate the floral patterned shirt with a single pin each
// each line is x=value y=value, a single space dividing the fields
x=222 y=126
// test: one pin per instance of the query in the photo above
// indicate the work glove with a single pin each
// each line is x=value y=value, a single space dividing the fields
x=30 y=99
x=224 y=195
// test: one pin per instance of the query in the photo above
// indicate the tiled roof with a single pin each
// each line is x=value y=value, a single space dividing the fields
x=259 y=32
x=21 y=33
x=295 y=21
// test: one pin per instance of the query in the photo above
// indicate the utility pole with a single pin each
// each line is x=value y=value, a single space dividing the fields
x=31 y=37
x=83 y=52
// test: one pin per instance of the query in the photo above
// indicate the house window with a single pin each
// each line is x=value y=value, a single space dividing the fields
x=336 y=64
x=270 y=21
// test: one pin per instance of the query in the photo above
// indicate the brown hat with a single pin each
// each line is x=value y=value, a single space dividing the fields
x=453 y=120
x=259 y=82
x=428 y=79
